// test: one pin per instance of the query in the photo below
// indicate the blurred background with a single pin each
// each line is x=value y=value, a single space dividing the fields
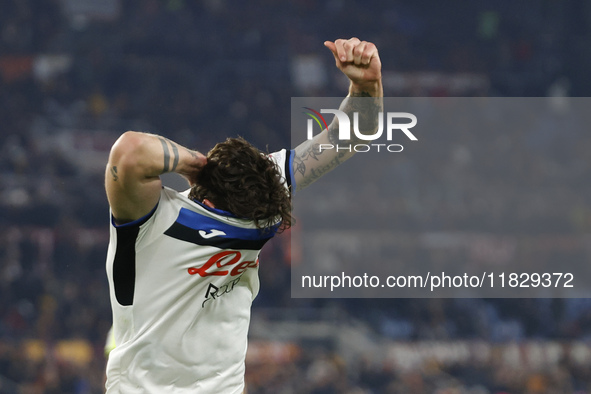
x=75 y=74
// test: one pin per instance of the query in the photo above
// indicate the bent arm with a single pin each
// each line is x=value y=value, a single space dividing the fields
x=132 y=177
x=360 y=62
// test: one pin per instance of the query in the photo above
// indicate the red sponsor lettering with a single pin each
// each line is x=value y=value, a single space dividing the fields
x=217 y=261
x=240 y=268
x=223 y=259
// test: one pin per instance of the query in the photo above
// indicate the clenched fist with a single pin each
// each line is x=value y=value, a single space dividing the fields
x=359 y=61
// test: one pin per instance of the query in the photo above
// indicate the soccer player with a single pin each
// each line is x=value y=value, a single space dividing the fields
x=183 y=266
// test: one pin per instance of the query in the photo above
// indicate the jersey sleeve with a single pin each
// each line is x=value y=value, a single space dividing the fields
x=284 y=161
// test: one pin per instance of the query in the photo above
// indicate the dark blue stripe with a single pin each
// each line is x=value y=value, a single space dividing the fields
x=184 y=233
x=197 y=221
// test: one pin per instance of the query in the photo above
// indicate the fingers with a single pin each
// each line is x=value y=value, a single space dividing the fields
x=352 y=51
x=345 y=49
x=368 y=52
x=331 y=45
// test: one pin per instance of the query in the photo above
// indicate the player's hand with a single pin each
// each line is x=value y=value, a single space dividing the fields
x=358 y=60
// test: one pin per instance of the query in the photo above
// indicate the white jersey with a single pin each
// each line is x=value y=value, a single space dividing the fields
x=182 y=281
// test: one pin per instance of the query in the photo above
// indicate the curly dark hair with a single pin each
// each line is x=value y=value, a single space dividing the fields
x=239 y=179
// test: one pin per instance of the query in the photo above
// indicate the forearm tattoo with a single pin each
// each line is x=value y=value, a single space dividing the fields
x=166 y=151
x=192 y=153
x=360 y=94
x=313 y=153
x=166 y=154
x=175 y=152
x=307 y=162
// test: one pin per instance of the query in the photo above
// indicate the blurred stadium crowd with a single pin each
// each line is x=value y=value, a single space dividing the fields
x=75 y=74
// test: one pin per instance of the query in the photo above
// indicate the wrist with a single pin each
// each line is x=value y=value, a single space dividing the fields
x=366 y=89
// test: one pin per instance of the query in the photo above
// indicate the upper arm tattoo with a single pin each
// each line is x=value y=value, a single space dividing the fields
x=114 y=173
